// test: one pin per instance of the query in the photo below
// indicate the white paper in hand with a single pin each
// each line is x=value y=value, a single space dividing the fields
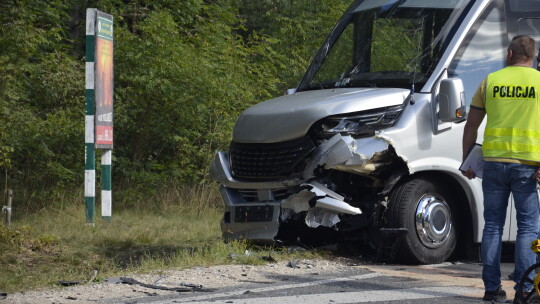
x=474 y=161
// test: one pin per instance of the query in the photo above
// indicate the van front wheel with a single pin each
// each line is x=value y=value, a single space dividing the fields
x=424 y=206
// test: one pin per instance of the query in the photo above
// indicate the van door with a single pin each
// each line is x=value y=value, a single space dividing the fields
x=483 y=51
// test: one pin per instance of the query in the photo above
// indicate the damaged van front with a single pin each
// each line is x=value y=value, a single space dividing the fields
x=366 y=149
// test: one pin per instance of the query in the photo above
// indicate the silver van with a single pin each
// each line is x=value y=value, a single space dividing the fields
x=366 y=149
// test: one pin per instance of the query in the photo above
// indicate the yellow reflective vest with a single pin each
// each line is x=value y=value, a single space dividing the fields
x=513 y=115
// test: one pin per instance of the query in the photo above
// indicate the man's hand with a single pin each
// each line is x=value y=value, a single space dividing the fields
x=536 y=176
x=471 y=175
x=470 y=133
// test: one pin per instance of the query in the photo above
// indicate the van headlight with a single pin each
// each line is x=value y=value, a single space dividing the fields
x=358 y=124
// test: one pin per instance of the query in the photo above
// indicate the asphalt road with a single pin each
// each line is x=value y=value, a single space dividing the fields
x=455 y=282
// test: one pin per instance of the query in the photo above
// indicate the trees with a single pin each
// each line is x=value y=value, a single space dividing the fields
x=40 y=85
x=184 y=70
x=297 y=28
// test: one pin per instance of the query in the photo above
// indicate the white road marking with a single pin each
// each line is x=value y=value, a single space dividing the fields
x=272 y=288
x=354 y=297
x=442 y=265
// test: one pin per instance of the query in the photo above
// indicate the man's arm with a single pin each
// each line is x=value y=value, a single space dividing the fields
x=470 y=133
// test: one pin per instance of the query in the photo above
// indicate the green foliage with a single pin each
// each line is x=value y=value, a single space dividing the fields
x=17 y=240
x=183 y=71
x=339 y=58
x=10 y=238
x=40 y=97
x=395 y=45
x=298 y=29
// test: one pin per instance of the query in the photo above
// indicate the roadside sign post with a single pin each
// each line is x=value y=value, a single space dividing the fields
x=104 y=106
x=89 y=152
x=99 y=51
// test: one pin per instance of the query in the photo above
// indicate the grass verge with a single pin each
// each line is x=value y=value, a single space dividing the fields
x=54 y=245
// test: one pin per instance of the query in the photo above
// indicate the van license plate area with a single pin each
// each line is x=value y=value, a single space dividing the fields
x=245 y=214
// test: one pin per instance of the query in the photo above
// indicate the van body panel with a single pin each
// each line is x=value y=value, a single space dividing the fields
x=290 y=117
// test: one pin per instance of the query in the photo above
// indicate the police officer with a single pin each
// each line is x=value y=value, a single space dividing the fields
x=510 y=98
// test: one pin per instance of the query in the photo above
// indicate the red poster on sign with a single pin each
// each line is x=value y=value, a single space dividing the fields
x=104 y=135
x=104 y=81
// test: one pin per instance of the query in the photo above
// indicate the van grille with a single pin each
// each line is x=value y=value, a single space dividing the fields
x=267 y=161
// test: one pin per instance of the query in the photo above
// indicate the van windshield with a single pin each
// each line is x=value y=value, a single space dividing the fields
x=385 y=43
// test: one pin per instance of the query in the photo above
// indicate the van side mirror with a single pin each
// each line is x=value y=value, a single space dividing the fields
x=452 y=100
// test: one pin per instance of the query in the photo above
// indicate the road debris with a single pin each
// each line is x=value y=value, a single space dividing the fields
x=248 y=253
x=185 y=287
x=68 y=283
x=94 y=276
x=293 y=264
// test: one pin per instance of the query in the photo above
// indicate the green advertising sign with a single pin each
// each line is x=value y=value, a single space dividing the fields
x=104 y=28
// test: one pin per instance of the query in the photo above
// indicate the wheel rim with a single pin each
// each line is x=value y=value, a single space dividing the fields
x=433 y=221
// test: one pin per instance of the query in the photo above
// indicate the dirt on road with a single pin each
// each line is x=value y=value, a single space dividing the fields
x=209 y=278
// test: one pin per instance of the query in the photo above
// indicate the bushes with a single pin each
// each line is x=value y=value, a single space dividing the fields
x=184 y=70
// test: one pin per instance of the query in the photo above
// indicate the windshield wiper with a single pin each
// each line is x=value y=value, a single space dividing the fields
x=329 y=84
x=313 y=86
x=361 y=84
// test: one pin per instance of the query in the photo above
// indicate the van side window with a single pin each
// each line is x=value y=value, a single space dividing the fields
x=482 y=51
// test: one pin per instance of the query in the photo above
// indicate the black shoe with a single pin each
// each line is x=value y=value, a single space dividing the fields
x=517 y=300
x=497 y=295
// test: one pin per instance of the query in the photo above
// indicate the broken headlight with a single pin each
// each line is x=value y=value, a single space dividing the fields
x=358 y=124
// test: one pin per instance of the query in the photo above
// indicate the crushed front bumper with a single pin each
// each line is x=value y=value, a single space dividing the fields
x=251 y=209
x=257 y=221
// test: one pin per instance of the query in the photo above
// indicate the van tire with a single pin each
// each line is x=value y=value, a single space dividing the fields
x=426 y=208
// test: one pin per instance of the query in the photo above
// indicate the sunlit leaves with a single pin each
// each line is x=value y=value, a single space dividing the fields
x=183 y=71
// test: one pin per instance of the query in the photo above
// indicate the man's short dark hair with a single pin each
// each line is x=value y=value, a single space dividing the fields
x=523 y=47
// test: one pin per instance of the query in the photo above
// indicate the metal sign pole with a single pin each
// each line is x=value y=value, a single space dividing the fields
x=89 y=152
x=106 y=185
